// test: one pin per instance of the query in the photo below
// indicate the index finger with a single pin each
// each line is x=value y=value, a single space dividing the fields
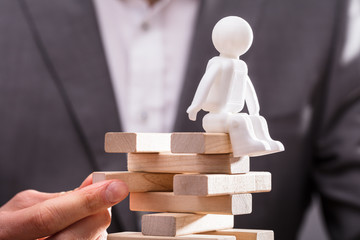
x=58 y=213
x=86 y=182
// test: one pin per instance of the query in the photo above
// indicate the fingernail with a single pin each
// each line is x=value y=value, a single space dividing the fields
x=116 y=192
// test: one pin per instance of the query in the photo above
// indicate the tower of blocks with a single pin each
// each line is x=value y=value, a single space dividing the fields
x=192 y=183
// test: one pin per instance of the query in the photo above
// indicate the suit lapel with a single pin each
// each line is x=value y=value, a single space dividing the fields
x=68 y=32
x=202 y=49
x=69 y=35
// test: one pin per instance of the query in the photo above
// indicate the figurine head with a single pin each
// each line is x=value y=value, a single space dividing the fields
x=232 y=36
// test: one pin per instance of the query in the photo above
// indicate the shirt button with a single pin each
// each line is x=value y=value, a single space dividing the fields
x=145 y=26
x=144 y=116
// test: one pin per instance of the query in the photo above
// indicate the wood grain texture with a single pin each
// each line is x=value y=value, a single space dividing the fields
x=119 y=142
x=197 y=142
x=221 y=184
x=177 y=224
x=262 y=181
x=245 y=234
x=187 y=163
x=139 y=182
x=167 y=202
x=139 y=235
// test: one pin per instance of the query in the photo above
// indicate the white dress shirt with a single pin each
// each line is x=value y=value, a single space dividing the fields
x=147 y=49
x=352 y=45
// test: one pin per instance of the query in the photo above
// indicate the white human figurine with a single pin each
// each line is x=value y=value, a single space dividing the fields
x=226 y=87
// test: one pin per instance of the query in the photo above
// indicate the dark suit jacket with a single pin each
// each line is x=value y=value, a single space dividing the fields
x=57 y=102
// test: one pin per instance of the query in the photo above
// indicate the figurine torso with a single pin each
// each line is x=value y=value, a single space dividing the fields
x=227 y=93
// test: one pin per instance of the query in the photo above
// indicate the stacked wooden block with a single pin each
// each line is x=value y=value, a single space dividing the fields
x=192 y=180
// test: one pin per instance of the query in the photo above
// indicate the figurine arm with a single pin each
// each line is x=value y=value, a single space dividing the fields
x=251 y=99
x=203 y=90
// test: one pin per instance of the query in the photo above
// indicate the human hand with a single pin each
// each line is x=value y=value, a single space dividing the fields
x=78 y=214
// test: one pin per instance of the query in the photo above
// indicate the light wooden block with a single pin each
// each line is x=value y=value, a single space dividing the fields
x=206 y=143
x=262 y=181
x=119 y=142
x=245 y=234
x=221 y=184
x=139 y=182
x=177 y=224
x=167 y=202
x=138 y=235
x=188 y=163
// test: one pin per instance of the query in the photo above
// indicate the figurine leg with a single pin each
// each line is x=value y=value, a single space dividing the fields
x=262 y=132
x=243 y=138
x=215 y=122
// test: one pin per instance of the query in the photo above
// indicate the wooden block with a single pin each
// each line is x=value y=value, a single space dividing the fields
x=119 y=142
x=167 y=202
x=206 y=143
x=220 y=184
x=139 y=182
x=187 y=163
x=245 y=234
x=262 y=181
x=177 y=224
x=138 y=235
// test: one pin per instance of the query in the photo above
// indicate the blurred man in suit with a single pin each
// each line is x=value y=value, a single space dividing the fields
x=72 y=70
